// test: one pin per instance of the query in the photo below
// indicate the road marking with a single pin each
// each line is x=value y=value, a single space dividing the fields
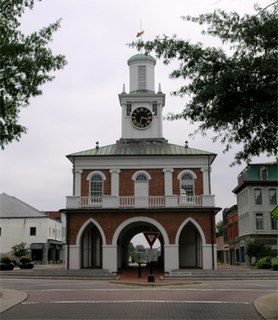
x=136 y=301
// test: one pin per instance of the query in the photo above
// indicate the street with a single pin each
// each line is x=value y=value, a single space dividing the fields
x=101 y=299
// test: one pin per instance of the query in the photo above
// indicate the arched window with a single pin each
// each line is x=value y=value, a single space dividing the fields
x=141 y=177
x=187 y=185
x=141 y=188
x=96 y=187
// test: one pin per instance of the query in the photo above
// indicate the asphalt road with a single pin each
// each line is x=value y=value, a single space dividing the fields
x=95 y=299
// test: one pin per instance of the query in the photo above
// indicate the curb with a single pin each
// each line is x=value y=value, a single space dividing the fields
x=267 y=306
x=10 y=298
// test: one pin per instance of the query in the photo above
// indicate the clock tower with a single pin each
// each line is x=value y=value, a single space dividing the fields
x=142 y=107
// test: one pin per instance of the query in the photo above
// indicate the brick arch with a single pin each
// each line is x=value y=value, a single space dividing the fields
x=196 y=224
x=140 y=219
x=83 y=227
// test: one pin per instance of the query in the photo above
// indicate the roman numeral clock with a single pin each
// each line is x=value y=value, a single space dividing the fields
x=142 y=106
x=141 y=118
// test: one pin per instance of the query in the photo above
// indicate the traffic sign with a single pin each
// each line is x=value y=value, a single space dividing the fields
x=151 y=236
x=151 y=255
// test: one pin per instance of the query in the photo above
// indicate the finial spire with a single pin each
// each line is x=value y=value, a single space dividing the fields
x=159 y=88
x=123 y=89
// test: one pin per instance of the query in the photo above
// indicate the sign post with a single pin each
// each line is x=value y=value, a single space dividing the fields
x=151 y=236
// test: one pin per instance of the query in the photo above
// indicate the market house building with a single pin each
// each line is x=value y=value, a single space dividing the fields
x=141 y=183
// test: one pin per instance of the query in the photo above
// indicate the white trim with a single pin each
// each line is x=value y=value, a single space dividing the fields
x=96 y=172
x=140 y=219
x=186 y=171
x=141 y=172
x=83 y=227
x=196 y=224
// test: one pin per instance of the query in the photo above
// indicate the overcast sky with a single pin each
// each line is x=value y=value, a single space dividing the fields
x=80 y=106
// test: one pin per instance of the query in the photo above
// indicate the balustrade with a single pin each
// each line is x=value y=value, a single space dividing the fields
x=140 y=202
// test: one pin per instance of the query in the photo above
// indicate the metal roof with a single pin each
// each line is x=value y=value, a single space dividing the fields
x=143 y=147
x=11 y=207
x=141 y=57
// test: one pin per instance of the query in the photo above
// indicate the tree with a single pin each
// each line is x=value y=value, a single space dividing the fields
x=26 y=62
x=219 y=228
x=20 y=250
x=258 y=249
x=233 y=92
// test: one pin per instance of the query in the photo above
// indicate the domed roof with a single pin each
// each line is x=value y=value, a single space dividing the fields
x=141 y=57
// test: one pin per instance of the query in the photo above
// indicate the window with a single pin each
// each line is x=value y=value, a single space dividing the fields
x=33 y=231
x=141 y=177
x=258 y=196
x=187 y=185
x=128 y=109
x=155 y=110
x=263 y=173
x=142 y=77
x=0 y=231
x=96 y=188
x=274 y=223
x=259 y=221
x=272 y=196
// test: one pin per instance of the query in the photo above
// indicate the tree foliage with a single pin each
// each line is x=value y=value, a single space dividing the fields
x=21 y=249
x=258 y=249
x=219 y=228
x=26 y=62
x=234 y=91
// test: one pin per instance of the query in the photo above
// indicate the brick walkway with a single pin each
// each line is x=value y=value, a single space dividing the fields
x=130 y=274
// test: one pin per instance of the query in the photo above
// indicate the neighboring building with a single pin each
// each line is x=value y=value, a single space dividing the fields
x=256 y=198
x=20 y=222
x=230 y=229
x=141 y=183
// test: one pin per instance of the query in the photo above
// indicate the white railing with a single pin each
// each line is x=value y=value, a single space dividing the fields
x=185 y=201
x=140 y=202
x=91 y=202
x=131 y=202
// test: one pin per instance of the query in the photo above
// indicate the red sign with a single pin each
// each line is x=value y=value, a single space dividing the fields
x=151 y=237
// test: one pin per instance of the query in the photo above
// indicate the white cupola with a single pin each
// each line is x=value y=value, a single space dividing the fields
x=141 y=73
x=142 y=107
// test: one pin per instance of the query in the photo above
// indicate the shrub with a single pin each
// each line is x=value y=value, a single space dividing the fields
x=24 y=259
x=6 y=259
x=274 y=264
x=264 y=263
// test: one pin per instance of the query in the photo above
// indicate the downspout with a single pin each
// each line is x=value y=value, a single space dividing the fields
x=68 y=240
x=68 y=219
x=212 y=218
x=73 y=169
x=212 y=240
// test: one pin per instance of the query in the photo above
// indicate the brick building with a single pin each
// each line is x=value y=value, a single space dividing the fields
x=231 y=231
x=141 y=183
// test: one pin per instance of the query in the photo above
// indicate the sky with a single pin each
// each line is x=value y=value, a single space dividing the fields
x=81 y=106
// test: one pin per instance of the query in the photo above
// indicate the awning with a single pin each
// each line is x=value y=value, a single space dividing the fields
x=36 y=246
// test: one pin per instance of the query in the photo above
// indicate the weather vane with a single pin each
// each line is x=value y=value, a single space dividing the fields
x=140 y=34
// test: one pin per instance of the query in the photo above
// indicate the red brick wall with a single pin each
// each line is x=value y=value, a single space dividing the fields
x=156 y=183
x=170 y=220
x=85 y=184
x=198 y=181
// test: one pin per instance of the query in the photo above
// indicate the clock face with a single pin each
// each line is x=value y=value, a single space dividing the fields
x=141 y=118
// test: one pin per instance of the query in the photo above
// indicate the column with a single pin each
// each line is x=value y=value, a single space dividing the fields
x=115 y=182
x=168 y=181
x=205 y=181
x=77 y=183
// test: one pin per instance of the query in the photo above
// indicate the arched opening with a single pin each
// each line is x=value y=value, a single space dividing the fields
x=91 y=247
x=125 y=238
x=190 y=247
